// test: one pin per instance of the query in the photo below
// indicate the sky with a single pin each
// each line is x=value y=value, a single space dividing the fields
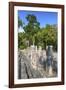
x=42 y=17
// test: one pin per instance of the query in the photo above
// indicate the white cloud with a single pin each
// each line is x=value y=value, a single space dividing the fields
x=20 y=29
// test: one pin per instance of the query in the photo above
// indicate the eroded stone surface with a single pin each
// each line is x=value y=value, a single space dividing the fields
x=39 y=65
x=25 y=69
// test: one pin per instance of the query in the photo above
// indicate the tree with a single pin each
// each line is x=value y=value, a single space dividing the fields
x=20 y=23
x=39 y=39
x=33 y=34
x=22 y=40
x=31 y=28
x=49 y=36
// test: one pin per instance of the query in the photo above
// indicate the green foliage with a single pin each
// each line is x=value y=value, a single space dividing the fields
x=33 y=34
x=31 y=18
x=31 y=28
x=20 y=23
x=49 y=36
x=21 y=41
